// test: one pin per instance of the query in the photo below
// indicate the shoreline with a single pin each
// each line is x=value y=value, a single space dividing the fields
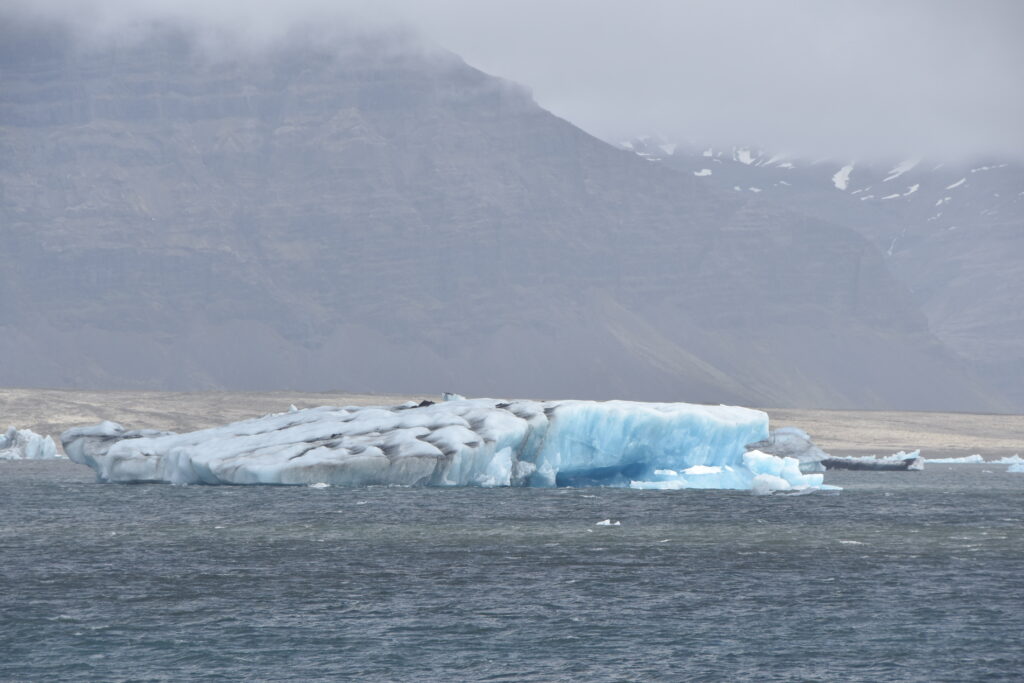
x=838 y=432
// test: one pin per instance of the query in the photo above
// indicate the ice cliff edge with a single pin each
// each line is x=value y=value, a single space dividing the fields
x=478 y=442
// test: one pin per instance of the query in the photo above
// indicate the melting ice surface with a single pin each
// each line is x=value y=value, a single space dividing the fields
x=478 y=442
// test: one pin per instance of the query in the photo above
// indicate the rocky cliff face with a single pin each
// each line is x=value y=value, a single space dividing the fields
x=380 y=218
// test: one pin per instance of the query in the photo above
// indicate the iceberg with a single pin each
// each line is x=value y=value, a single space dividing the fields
x=1016 y=468
x=24 y=444
x=901 y=461
x=456 y=442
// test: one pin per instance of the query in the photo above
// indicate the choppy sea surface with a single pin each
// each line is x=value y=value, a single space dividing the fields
x=914 y=576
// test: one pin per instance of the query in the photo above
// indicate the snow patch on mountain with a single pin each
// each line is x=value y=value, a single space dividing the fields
x=900 y=169
x=842 y=177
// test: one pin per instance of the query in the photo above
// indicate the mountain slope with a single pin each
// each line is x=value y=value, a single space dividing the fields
x=382 y=218
x=953 y=233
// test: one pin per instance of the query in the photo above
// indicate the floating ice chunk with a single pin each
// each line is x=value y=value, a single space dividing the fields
x=744 y=156
x=292 y=409
x=786 y=164
x=897 y=461
x=1016 y=468
x=975 y=459
x=754 y=189
x=764 y=484
x=708 y=152
x=842 y=177
x=752 y=465
x=479 y=442
x=668 y=148
x=24 y=444
x=892 y=196
x=1008 y=460
x=793 y=442
x=702 y=172
x=957 y=184
x=320 y=485
x=608 y=522
x=912 y=189
x=449 y=396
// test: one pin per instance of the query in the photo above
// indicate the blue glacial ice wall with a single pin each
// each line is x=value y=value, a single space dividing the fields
x=479 y=442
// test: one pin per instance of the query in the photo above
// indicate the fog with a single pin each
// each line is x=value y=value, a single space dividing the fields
x=853 y=80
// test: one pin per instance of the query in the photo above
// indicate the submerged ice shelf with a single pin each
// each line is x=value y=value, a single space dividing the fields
x=460 y=442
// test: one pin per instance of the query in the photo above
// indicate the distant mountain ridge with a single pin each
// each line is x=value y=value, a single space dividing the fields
x=383 y=219
x=952 y=232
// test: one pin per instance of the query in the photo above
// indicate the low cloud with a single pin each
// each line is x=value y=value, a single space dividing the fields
x=853 y=80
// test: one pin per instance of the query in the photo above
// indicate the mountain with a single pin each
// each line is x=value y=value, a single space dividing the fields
x=370 y=215
x=953 y=233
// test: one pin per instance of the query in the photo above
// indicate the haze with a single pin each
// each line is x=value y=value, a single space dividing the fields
x=854 y=80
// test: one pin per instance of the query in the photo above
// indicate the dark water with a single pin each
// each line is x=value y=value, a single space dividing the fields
x=903 y=576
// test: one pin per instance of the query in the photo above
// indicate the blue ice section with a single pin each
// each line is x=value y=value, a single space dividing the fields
x=480 y=442
x=617 y=442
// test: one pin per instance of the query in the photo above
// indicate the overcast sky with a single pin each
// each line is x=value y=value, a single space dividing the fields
x=848 y=79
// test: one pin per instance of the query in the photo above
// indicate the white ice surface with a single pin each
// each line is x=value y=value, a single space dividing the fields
x=912 y=189
x=1008 y=460
x=1016 y=468
x=957 y=184
x=24 y=444
x=702 y=172
x=481 y=442
x=975 y=459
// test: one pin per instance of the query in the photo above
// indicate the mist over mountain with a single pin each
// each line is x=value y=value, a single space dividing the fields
x=952 y=232
x=370 y=215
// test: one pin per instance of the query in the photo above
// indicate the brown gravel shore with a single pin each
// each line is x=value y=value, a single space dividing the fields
x=841 y=432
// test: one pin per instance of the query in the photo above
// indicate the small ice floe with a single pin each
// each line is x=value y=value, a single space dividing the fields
x=320 y=485
x=608 y=522
x=975 y=459
x=897 y=461
x=956 y=184
x=1014 y=459
x=1016 y=468
x=844 y=542
x=702 y=172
